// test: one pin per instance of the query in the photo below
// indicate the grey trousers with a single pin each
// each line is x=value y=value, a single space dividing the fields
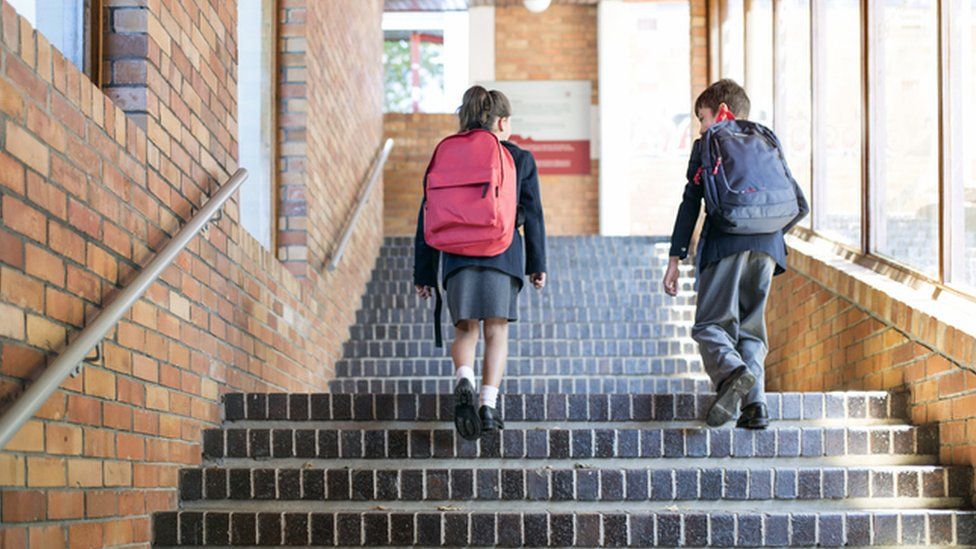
x=730 y=319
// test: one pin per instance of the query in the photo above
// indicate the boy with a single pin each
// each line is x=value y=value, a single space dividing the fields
x=734 y=275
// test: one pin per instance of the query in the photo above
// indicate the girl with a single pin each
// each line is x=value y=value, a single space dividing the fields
x=485 y=289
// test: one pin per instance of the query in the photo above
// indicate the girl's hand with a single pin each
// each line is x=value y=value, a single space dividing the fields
x=538 y=280
x=671 y=278
x=424 y=291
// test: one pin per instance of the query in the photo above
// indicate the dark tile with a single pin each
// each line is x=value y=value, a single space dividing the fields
x=834 y=442
x=402 y=529
x=483 y=529
x=578 y=408
x=313 y=484
x=804 y=529
x=561 y=530
x=351 y=445
x=696 y=442
x=604 y=443
x=562 y=485
x=420 y=443
x=265 y=483
x=620 y=407
x=456 y=530
x=386 y=407
x=269 y=528
x=912 y=528
x=489 y=485
x=674 y=443
x=490 y=445
x=363 y=485
x=882 y=484
x=438 y=484
x=296 y=529
x=322 y=528
x=885 y=529
x=785 y=484
x=808 y=484
x=858 y=483
x=513 y=484
x=305 y=443
x=777 y=530
x=834 y=484
x=760 y=484
x=587 y=485
x=743 y=442
x=628 y=443
x=582 y=443
x=377 y=528
x=213 y=443
x=662 y=485
x=651 y=445
x=243 y=529
x=685 y=407
x=320 y=407
x=387 y=484
x=611 y=485
x=362 y=407
x=282 y=445
x=289 y=484
x=535 y=407
x=588 y=530
x=234 y=406
x=749 y=531
x=686 y=484
x=277 y=406
x=217 y=528
x=349 y=529
x=558 y=444
x=509 y=530
x=191 y=484
x=259 y=442
x=669 y=529
x=723 y=530
x=535 y=527
x=337 y=481
x=396 y=444
x=940 y=528
x=257 y=406
x=412 y=484
x=537 y=485
x=643 y=407
x=711 y=484
x=375 y=444
x=239 y=483
x=663 y=407
x=638 y=487
x=614 y=530
x=556 y=407
x=513 y=443
x=599 y=408
x=642 y=530
x=788 y=442
x=908 y=484
x=536 y=443
x=166 y=528
x=328 y=444
x=736 y=483
x=462 y=484
x=696 y=530
x=342 y=406
x=298 y=407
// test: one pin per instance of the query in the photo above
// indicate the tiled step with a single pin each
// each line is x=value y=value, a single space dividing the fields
x=529 y=359
x=571 y=302
x=587 y=529
x=532 y=349
x=423 y=331
x=580 y=384
x=425 y=313
x=557 y=285
x=878 y=441
x=846 y=406
x=878 y=487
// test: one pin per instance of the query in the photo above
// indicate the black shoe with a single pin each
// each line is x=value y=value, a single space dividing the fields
x=753 y=416
x=729 y=395
x=465 y=416
x=491 y=419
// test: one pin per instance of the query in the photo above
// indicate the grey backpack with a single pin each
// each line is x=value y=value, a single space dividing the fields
x=747 y=185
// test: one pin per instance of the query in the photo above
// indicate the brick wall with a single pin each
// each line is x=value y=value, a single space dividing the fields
x=87 y=195
x=415 y=137
x=833 y=327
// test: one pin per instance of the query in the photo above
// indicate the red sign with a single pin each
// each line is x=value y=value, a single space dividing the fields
x=557 y=157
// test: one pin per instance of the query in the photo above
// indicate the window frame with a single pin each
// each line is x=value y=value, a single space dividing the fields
x=951 y=230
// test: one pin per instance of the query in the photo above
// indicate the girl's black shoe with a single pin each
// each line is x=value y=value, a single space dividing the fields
x=753 y=416
x=491 y=419
x=465 y=416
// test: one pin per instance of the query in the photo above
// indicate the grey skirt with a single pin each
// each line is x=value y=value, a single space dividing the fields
x=477 y=293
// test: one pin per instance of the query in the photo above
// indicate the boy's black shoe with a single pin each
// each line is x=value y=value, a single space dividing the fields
x=465 y=416
x=753 y=416
x=491 y=419
x=729 y=395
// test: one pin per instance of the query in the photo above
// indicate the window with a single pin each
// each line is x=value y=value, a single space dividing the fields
x=255 y=116
x=793 y=94
x=72 y=26
x=759 y=60
x=838 y=120
x=733 y=40
x=425 y=59
x=961 y=164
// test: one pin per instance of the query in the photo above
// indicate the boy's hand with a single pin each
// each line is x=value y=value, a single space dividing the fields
x=671 y=277
x=424 y=291
x=538 y=280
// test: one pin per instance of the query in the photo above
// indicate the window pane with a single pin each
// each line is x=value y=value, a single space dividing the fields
x=837 y=172
x=905 y=132
x=793 y=101
x=61 y=22
x=414 y=75
x=733 y=40
x=965 y=146
x=759 y=66
x=254 y=117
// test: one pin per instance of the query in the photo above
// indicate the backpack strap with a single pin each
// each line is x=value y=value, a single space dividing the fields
x=438 y=306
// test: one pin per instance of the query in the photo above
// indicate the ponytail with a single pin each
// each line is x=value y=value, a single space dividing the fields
x=480 y=108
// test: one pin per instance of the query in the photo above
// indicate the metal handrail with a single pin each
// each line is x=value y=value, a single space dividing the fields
x=360 y=203
x=74 y=354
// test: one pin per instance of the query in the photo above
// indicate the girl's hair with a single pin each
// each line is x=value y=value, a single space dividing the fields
x=480 y=108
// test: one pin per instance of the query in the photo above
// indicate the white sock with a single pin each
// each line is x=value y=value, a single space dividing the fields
x=489 y=396
x=464 y=372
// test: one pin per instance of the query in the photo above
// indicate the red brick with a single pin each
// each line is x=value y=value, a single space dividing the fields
x=24 y=219
x=11 y=250
x=43 y=264
x=64 y=307
x=24 y=506
x=65 y=505
x=84 y=284
x=85 y=535
x=65 y=241
x=12 y=174
x=47 y=536
x=21 y=290
x=82 y=409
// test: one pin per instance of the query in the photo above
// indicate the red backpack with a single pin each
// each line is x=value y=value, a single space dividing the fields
x=470 y=191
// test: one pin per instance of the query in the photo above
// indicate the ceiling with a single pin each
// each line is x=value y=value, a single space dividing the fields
x=457 y=5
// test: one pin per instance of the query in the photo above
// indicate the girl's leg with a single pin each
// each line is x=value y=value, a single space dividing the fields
x=465 y=343
x=466 y=419
x=496 y=354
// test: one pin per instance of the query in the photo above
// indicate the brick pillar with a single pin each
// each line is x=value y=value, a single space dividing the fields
x=124 y=56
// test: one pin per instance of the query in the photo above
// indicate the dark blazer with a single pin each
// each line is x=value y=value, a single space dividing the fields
x=513 y=261
x=715 y=244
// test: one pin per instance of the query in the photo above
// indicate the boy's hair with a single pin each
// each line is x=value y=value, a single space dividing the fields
x=725 y=91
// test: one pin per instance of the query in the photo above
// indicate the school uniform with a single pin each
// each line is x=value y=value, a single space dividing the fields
x=734 y=277
x=488 y=287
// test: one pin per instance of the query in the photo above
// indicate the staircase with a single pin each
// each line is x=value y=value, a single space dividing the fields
x=605 y=444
